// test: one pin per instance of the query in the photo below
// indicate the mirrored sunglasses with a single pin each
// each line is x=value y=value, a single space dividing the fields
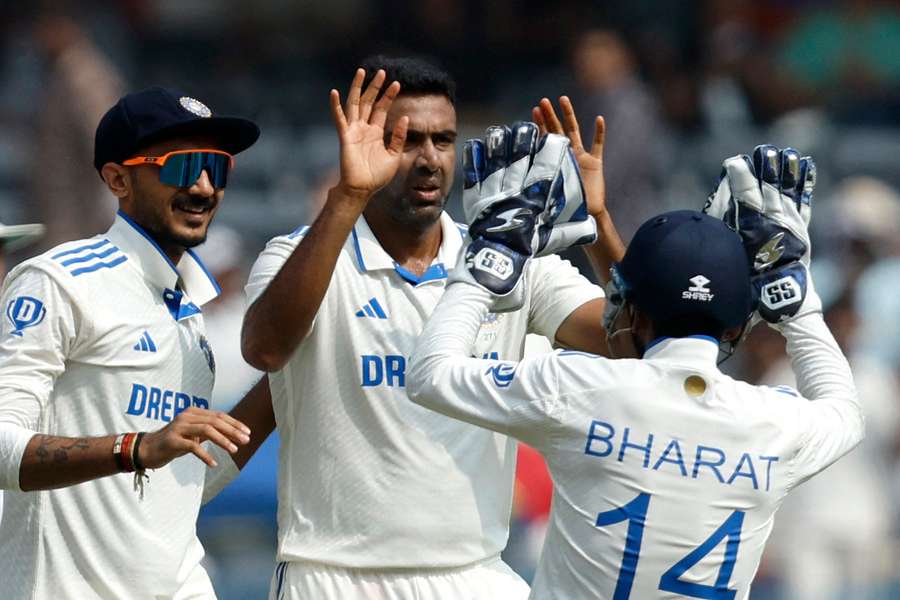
x=182 y=168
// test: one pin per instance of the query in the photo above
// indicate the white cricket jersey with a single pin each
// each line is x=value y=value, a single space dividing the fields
x=366 y=478
x=666 y=472
x=98 y=338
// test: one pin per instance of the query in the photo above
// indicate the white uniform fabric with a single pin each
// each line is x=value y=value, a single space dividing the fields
x=657 y=491
x=366 y=478
x=98 y=339
x=491 y=579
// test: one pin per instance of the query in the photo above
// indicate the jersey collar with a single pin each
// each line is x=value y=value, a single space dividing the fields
x=155 y=266
x=694 y=350
x=370 y=256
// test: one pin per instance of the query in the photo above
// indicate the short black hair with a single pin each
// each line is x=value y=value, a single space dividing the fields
x=417 y=76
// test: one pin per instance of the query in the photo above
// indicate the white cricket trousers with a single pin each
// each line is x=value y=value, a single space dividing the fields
x=488 y=580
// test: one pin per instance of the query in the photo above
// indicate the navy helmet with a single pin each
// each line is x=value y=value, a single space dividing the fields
x=688 y=273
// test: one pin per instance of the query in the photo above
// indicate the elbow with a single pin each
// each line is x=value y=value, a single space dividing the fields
x=261 y=357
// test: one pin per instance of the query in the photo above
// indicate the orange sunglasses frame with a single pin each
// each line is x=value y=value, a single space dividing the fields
x=161 y=160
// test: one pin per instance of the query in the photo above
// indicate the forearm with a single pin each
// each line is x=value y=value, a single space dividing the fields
x=445 y=345
x=282 y=316
x=53 y=462
x=820 y=367
x=254 y=411
x=607 y=249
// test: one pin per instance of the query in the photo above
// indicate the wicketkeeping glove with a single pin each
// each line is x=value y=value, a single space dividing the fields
x=523 y=197
x=767 y=200
x=515 y=178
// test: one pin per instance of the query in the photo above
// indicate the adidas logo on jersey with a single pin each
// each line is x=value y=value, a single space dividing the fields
x=372 y=309
x=145 y=343
x=698 y=291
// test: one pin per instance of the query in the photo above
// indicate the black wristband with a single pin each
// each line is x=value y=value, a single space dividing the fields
x=135 y=456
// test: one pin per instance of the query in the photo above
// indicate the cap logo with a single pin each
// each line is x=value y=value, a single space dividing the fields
x=698 y=291
x=193 y=105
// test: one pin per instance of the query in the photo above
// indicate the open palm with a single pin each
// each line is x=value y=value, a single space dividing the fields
x=589 y=161
x=367 y=164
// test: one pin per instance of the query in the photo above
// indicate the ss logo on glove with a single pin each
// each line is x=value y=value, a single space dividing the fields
x=492 y=262
x=781 y=292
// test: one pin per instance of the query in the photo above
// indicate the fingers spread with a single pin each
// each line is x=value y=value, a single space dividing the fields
x=538 y=118
x=368 y=98
x=337 y=113
x=599 y=137
x=550 y=118
x=398 y=136
x=379 y=114
x=570 y=123
x=353 y=95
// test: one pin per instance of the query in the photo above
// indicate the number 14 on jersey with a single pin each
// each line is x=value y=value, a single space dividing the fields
x=635 y=513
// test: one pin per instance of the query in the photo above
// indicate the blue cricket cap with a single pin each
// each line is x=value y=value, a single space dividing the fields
x=688 y=272
x=159 y=113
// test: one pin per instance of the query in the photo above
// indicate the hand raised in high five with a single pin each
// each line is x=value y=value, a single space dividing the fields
x=589 y=161
x=367 y=164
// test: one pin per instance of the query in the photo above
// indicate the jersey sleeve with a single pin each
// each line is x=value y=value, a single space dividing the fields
x=38 y=334
x=517 y=399
x=827 y=412
x=557 y=289
x=269 y=262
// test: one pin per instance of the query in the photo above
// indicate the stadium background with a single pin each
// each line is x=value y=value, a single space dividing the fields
x=681 y=84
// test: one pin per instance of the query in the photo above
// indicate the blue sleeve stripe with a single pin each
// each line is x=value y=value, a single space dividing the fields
x=101 y=265
x=299 y=231
x=87 y=257
x=93 y=246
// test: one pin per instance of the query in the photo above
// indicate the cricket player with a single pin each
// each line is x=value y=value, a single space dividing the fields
x=379 y=498
x=667 y=473
x=105 y=371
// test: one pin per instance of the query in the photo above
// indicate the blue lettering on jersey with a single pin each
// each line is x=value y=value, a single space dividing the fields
x=603 y=439
x=160 y=404
x=24 y=312
x=502 y=374
x=389 y=370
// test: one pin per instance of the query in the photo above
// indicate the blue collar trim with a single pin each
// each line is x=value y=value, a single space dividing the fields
x=661 y=339
x=203 y=268
x=435 y=271
x=359 y=257
x=146 y=235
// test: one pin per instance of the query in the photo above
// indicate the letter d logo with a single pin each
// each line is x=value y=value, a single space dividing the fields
x=24 y=312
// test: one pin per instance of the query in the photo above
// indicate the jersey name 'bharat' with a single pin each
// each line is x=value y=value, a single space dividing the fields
x=609 y=442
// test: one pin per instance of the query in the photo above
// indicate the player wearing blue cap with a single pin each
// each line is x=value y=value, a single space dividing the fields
x=667 y=473
x=105 y=371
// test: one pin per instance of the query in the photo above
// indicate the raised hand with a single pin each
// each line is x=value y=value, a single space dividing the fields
x=367 y=164
x=589 y=161
x=186 y=434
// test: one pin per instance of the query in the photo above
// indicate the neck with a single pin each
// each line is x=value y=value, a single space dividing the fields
x=411 y=247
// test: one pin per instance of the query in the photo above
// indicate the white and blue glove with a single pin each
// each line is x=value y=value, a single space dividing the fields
x=767 y=200
x=523 y=197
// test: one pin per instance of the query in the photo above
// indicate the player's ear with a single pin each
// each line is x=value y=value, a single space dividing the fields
x=732 y=333
x=116 y=178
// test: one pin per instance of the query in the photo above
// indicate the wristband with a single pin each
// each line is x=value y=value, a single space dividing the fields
x=122 y=451
x=135 y=452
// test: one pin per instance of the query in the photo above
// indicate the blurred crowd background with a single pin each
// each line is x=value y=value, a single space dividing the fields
x=682 y=84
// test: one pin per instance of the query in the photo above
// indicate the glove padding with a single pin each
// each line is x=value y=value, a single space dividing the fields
x=767 y=201
x=523 y=197
x=525 y=191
